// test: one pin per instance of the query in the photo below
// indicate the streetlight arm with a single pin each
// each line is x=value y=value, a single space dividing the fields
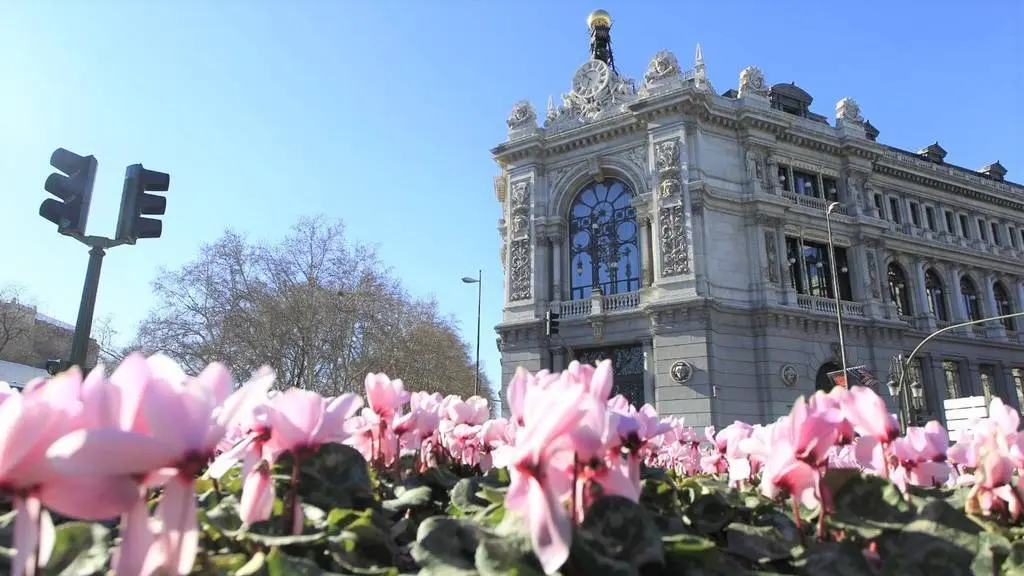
x=906 y=363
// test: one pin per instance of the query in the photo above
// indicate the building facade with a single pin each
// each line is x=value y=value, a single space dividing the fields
x=30 y=339
x=682 y=232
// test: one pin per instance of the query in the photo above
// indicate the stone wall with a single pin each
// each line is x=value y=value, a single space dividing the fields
x=34 y=339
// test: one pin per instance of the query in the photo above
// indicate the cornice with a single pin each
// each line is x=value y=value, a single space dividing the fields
x=898 y=242
x=889 y=167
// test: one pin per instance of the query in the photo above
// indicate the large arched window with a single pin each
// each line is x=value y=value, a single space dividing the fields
x=898 y=289
x=1003 y=306
x=933 y=290
x=604 y=240
x=969 y=294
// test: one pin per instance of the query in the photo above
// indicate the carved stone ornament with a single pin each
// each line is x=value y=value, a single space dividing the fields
x=752 y=82
x=669 y=188
x=592 y=101
x=675 y=258
x=681 y=371
x=666 y=155
x=873 y=274
x=789 y=375
x=522 y=116
x=663 y=65
x=848 y=111
x=519 y=209
x=771 y=254
x=521 y=281
x=754 y=172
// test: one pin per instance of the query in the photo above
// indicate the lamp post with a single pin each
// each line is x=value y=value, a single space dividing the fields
x=835 y=282
x=908 y=398
x=479 y=281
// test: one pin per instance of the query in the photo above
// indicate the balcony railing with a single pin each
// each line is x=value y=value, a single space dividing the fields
x=609 y=304
x=811 y=202
x=828 y=305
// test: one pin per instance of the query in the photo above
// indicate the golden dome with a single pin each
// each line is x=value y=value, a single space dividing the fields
x=599 y=18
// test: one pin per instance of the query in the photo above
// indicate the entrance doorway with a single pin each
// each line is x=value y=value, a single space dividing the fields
x=627 y=365
x=822 y=381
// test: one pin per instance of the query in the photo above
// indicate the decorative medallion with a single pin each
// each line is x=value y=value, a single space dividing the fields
x=789 y=375
x=681 y=371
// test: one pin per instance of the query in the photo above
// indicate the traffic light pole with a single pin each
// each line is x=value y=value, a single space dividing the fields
x=98 y=246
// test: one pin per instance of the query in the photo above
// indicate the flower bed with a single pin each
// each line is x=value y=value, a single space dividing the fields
x=207 y=479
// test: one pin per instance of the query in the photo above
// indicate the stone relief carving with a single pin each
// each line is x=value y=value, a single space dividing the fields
x=675 y=259
x=789 y=375
x=669 y=188
x=853 y=190
x=681 y=371
x=754 y=171
x=520 y=209
x=663 y=65
x=873 y=273
x=772 y=256
x=773 y=174
x=752 y=82
x=666 y=154
x=848 y=111
x=522 y=116
x=521 y=282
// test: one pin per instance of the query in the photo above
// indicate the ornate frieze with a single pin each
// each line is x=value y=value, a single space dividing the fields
x=521 y=249
x=675 y=258
x=521 y=282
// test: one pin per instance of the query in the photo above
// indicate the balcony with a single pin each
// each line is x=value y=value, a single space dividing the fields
x=812 y=202
x=606 y=304
x=828 y=305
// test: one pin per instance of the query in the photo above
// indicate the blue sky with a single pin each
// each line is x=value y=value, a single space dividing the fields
x=383 y=113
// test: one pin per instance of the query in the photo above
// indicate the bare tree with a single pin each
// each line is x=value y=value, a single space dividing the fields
x=15 y=319
x=321 y=311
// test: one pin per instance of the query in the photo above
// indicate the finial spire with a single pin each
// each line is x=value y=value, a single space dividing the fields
x=600 y=24
x=698 y=59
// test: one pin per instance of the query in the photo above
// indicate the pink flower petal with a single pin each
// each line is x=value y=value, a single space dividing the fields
x=110 y=453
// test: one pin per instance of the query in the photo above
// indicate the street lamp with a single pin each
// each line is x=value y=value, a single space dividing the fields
x=835 y=283
x=479 y=281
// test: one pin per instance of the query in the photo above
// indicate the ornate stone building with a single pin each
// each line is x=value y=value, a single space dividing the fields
x=30 y=339
x=682 y=232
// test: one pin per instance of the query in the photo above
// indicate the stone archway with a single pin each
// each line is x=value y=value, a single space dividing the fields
x=821 y=380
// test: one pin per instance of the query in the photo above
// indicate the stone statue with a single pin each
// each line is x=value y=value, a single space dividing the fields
x=752 y=82
x=848 y=111
x=663 y=65
x=522 y=116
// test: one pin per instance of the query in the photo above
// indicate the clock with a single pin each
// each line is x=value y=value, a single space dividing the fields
x=590 y=78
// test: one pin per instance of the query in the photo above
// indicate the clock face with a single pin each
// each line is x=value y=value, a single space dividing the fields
x=591 y=78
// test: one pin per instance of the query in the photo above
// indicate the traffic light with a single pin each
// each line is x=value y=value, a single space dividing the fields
x=74 y=188
x=136 y=203
x=551 y=323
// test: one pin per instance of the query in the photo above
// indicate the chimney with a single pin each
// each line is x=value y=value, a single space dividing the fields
x=995 y=171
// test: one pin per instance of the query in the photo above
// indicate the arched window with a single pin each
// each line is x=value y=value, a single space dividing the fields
x=604 y=240
x=898 y=290
x=933 y=290
x=1004 y=306
x=969 y=294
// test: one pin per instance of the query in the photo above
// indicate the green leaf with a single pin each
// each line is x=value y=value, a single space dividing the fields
x=447 y=544
x=838 y=559
x=280 y=564
x=288 y=540
x=868 y=505
x=336 y=476
x=464 y=495
x=80 y=549
x=758 y=543
x=511 y=555
x=623 y=531
x=253 y=566
x=686 y=544
x=709 y=513
x=227 y=563
x=222 y=518
x=409 y=499
x=942 y=540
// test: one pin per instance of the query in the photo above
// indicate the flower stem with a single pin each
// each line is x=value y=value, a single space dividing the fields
x=293 y=493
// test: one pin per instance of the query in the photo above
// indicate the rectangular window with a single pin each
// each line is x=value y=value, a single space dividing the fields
x=830 y=189
x=995 y=233
x=987 y=376
x=806 y=184
x=1011 y=233
x=982 y=232
x=965 y=231
x=784 y=178
x=951 y=369
x=880 y=205
x=915 y=214
x=819 y=272
x=796 y=276
x=929 y=216
x=950 y=222
x=894 y=210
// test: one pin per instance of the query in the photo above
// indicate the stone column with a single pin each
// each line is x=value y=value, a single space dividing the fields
x=646 y=260
x=925 y=319
x=557 y=255
x=952 y=289
x=994 y=329
x=772 y=177
x=650 y=390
